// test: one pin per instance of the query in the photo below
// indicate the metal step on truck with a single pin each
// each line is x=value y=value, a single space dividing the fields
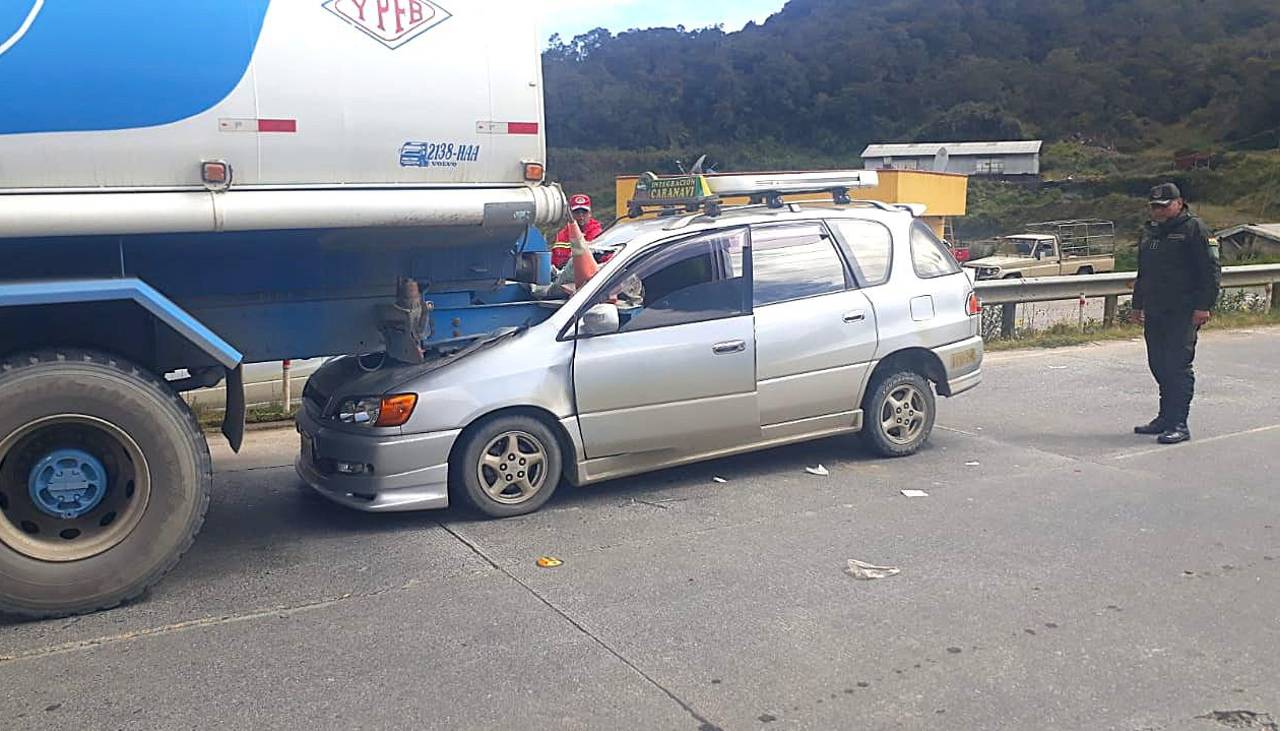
x=187 y=188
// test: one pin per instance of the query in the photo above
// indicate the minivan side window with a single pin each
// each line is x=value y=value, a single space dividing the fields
x=794 y=262
x=929 y=255
x=696 y=280
x=870 y=247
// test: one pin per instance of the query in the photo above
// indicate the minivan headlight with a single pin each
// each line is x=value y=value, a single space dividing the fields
x=376 y=410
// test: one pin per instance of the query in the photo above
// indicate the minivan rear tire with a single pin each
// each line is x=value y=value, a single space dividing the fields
x=898 y=413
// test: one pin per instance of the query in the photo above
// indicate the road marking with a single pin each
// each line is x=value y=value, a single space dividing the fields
x=1210 y=440
x=579 y=626
x=168 y=629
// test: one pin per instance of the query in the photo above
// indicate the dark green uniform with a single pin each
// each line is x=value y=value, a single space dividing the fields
x=1178 y=273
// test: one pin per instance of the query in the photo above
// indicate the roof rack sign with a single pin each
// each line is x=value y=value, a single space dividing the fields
x=697 y=192
x=687 y=192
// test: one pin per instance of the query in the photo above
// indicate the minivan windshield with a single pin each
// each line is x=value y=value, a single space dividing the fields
x=617 y=237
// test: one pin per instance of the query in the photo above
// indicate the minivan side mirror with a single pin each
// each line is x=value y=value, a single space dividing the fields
x=601 y=319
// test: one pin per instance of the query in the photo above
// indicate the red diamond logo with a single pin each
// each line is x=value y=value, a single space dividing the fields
x=392 y=23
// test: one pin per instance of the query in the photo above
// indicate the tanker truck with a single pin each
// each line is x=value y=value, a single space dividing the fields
x=190 y=187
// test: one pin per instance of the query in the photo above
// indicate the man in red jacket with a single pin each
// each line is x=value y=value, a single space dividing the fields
x=562 y=249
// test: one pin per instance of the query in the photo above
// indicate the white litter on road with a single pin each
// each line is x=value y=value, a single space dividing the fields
x=719 y=480
x=866 y=572
x=915 y=493
x=818 y=471
x=972 y=464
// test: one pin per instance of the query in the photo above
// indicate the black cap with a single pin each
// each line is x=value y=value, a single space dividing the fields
x=1165 y=193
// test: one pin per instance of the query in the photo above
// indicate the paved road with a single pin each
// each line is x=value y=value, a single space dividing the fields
x=1077 y=578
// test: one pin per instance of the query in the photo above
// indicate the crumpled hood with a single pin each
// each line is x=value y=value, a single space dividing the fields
x=377 y=374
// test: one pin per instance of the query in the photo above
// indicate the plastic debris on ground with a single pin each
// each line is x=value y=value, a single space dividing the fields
x=719 y=480
x=864 y=571
x=972 y=464
x=818 y=471
x=549 y=562
x=915 y=493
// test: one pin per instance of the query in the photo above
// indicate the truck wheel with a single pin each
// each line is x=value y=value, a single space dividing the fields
x=1084 y=271
x=508 y=466
x=104 y=482
x=900 y=409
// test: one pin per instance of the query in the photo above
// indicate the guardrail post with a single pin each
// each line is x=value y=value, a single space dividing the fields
x=1109 y=306
x=1008 y=319
x=286 y=386
x=1270 y=298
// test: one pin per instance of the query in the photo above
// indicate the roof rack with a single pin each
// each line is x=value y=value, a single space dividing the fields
x=694 y=193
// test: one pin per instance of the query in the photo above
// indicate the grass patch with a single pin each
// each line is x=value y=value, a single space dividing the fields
x=211 y=419
x=1061 y=336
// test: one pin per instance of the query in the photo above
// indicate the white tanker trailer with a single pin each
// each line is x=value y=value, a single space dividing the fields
x=186 y=187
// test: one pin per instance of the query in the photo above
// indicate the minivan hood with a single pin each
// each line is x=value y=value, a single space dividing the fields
x=376 y=375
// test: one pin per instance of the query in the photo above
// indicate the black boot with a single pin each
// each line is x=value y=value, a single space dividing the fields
x=1158 y=425
x=1176 y=435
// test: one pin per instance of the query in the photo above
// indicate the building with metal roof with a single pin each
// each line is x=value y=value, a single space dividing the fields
x=1012 y=160
x=1250 y=241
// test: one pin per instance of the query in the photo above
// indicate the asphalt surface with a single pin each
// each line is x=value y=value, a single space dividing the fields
x=1061 y=574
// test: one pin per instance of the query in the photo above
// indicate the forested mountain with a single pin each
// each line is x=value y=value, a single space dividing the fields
x=835 y=74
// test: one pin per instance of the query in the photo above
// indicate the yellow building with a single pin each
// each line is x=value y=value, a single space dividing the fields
x=944 y=195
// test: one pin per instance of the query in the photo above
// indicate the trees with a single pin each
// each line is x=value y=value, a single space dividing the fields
x=827 y=73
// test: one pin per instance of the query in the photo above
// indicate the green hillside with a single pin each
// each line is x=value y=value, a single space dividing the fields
x=1116 y=88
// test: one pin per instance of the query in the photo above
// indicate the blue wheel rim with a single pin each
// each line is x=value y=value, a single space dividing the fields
x=67 y=483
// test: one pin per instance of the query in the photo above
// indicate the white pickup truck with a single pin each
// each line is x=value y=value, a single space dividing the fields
x=1051 y=249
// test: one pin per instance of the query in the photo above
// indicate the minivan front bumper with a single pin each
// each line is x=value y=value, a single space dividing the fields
x=400 y=473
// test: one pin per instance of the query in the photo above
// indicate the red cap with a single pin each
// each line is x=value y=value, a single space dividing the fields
x=580 y=201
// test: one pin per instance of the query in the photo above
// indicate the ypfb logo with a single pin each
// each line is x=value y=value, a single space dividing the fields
x=392 y=23
x=28 y=20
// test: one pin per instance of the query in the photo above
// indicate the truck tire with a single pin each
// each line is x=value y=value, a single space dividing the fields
x=507 y=466
x=899 y=410
x=104 y=482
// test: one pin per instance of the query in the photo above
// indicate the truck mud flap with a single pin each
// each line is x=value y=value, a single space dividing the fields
x=233 y=419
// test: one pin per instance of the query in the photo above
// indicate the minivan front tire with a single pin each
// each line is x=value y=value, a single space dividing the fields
x=508 y=466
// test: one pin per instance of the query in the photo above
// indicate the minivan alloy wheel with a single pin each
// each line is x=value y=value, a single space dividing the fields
x=513 y=467
x=903 y=414
x=900 y=409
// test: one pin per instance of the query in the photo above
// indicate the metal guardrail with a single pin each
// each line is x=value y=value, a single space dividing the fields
x=264 y=384
x=1052 y=289
x=1012 y=292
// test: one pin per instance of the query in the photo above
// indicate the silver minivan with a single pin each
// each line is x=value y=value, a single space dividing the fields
x=703 y=336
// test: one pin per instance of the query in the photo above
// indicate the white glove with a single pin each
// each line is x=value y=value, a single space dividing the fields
x=577 y=240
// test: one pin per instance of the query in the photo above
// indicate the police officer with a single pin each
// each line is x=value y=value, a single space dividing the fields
x=1177 y=288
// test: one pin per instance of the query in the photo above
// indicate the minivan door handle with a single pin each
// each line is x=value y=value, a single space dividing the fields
x=732 y=346
x=855 y=316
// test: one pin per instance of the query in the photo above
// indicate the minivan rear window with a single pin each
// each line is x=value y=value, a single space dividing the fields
x=930 y=257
